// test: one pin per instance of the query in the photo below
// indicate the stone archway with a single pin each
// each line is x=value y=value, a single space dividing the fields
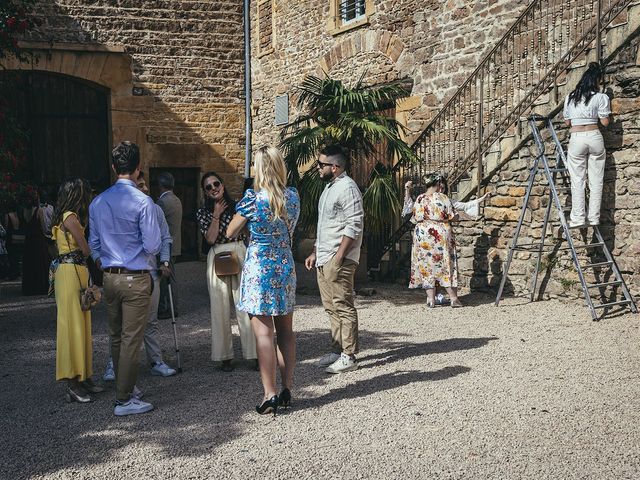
x=105 y=66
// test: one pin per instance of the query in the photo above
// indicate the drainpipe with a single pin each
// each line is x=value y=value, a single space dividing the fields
x=247 y=88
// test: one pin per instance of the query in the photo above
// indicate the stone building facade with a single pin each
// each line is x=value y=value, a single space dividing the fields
x=483 y=244
x=434 y=46
x=173 y=72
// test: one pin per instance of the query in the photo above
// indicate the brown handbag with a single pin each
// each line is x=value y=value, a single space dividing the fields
x=226 y=263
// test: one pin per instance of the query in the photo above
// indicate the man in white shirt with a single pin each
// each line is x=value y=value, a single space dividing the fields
x=336 y=255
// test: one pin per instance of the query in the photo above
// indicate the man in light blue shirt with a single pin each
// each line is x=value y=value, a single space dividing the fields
x=124 y=239
x=151 y=343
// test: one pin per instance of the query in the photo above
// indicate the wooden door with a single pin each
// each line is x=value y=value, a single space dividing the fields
x=186 y=189
x=68 y=127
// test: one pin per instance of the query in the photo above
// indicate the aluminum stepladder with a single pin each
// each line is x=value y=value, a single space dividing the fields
x=553 y=175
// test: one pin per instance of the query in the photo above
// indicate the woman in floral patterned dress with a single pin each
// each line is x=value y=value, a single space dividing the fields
x=268 y=286
x=433 y=254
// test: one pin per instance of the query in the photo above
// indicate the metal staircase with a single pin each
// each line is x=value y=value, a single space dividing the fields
x=601 y=262
x=533 y=66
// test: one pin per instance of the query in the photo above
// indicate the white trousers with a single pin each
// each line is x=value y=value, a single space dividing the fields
x=586 y=157
x=224 y=294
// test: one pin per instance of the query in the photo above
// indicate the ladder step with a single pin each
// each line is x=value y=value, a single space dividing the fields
x=599 y=264
x=558 y=170
x=607 y=284
x=586 y=245
x=605 y=305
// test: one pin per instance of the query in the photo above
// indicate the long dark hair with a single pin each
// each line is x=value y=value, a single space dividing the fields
x=73 y=196
x=588 y=85
x=231 y=205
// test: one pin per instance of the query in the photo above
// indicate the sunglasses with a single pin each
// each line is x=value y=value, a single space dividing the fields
x=322 y=164
x=212 y=185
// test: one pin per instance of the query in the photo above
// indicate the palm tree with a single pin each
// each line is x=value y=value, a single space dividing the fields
x=352 y=117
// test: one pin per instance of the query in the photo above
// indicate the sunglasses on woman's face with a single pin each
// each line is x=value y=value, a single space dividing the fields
x=212 y=185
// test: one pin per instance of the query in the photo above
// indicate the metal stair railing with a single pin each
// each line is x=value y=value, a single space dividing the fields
x=528 y=61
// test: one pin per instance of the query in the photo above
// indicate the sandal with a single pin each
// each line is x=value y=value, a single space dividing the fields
x=456 y=304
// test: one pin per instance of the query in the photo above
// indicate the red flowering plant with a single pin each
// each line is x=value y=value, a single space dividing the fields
x=15 y=21
x=14 y=193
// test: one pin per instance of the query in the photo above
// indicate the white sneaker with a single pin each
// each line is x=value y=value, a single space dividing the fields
x=133 y=407
x=328 y=359
x=137 y=393
x=109 y=372
x=344 y=364
x=161 y=369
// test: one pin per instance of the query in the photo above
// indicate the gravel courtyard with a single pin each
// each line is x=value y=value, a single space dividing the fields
x=519 y=391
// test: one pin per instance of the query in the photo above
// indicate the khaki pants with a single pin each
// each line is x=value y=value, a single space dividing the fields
x=224 y=294
x=336 y=291
x=127 y=298
x=586 y=156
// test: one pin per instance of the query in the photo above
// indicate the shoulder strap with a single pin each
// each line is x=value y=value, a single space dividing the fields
x=75 y=267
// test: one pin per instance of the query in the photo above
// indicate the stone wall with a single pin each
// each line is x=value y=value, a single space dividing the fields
x=435 y=44
x=484 y=244
x=178 y=67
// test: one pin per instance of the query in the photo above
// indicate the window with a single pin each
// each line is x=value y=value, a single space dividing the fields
x=266 y=40
x=282 y=110
x=351 y=10
x=348 y=14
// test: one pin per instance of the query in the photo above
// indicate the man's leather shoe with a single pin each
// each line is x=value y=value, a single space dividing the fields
x=166 y=315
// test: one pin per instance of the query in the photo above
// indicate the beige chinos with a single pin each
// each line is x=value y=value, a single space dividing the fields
x=224 y=294
x=336 y=292
x=127 y=296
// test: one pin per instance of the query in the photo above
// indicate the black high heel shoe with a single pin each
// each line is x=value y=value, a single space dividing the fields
x=284 y=399
x=268 y=406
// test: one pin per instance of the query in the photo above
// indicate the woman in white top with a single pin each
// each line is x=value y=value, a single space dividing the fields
x=586 y=154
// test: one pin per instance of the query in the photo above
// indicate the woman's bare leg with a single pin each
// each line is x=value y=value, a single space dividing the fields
x=431 y=296
x=263 y=330
x=286 y=341
x=453 y=295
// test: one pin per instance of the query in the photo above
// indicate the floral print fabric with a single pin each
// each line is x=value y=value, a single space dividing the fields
x=433 y=253
x=268 y=284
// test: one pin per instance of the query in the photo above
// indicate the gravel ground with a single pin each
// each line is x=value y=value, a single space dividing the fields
x=521 y=390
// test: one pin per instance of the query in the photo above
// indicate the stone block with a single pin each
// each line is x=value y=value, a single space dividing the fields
x=502 y=202
x=505 y=214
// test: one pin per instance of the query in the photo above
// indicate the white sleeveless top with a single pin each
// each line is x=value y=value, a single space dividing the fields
x=587 y=113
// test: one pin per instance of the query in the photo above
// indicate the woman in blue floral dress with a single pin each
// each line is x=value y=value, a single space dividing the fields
x=268 y=285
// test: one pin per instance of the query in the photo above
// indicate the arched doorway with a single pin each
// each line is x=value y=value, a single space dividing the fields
x=67 y=125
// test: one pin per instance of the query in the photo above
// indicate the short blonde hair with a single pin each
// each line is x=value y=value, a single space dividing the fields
x=271 y=176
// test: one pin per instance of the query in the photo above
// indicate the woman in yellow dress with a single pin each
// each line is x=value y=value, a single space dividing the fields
x=74 y=344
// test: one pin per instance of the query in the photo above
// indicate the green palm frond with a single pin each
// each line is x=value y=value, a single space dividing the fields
x=380 y=201
x=352 y=117
x=310 y=188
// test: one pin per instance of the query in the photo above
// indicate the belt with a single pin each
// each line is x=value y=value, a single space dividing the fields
x=121 y=270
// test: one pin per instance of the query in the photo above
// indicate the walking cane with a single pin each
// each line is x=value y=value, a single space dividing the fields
x=173 y=322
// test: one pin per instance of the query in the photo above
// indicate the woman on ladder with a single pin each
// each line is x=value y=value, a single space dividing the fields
x=586 y=155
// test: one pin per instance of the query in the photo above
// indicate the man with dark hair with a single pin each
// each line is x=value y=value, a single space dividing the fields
x=172 y=208
x=336 y=255
x=124 y=240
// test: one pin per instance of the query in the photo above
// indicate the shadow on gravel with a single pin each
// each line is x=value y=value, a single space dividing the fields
x=196 y=412
x=380 y=383
x=401 y=351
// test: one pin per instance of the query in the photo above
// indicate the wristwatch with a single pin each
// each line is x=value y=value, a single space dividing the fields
x=166 y=264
